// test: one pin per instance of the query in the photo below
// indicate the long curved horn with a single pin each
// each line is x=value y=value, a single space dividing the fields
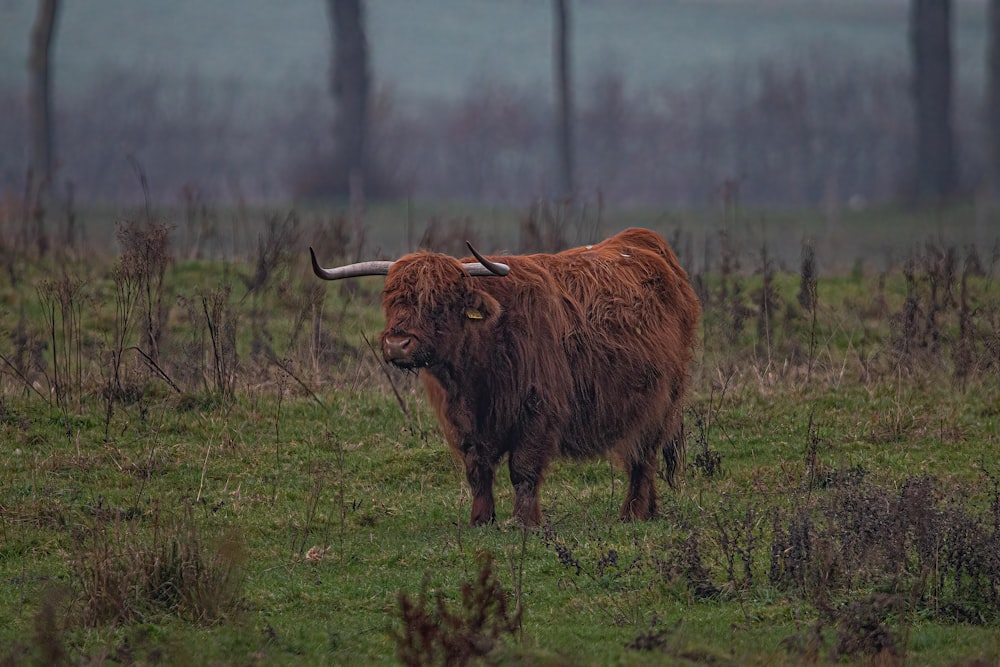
x=379 y=268
x=485 y=267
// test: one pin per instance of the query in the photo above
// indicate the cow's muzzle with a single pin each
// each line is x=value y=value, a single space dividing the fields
x=396 y=348
x=402 y=351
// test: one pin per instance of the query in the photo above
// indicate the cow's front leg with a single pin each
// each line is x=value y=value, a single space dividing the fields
x=479 y=472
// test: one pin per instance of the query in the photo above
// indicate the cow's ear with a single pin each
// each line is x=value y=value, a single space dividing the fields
x=481 y=307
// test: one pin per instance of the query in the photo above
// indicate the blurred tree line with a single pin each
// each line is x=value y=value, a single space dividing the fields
x=39 y=93
x=361 y=159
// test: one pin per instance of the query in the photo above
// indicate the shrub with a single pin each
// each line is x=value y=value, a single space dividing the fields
x=433 y=633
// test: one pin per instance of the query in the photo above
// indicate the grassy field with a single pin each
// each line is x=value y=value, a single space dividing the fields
x=202 y=461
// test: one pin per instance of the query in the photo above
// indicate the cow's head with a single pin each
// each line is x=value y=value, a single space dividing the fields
x=430 y=302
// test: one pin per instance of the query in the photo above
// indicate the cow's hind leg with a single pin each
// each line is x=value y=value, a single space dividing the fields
x=526 y=472
x=674 y=456
x=479 y=472
x=640 y=503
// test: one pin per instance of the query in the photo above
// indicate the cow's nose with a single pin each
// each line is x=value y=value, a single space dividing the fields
x=396 y=347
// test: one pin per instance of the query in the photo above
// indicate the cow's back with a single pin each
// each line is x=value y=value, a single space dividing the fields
x=634 y=318
x=606 y=334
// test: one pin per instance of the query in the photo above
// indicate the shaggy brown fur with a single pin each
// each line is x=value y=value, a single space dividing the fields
x=579 y=354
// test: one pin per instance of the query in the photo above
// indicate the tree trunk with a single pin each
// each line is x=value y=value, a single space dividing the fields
x=993 y=96
x=564 y=98
x=350 y=84
x=930 y=41
x=40 y=93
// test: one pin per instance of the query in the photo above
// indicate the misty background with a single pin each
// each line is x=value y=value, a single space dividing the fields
x=797 y=102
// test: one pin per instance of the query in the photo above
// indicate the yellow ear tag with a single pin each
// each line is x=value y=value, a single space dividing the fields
x=473 y=314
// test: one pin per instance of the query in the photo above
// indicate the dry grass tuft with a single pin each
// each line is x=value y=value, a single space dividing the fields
x=121 y=575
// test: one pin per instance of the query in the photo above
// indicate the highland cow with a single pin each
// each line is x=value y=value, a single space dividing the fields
x=579 y=354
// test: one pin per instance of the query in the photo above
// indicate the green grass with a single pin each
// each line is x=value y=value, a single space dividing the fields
x=323 y=501
x=390 y=509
